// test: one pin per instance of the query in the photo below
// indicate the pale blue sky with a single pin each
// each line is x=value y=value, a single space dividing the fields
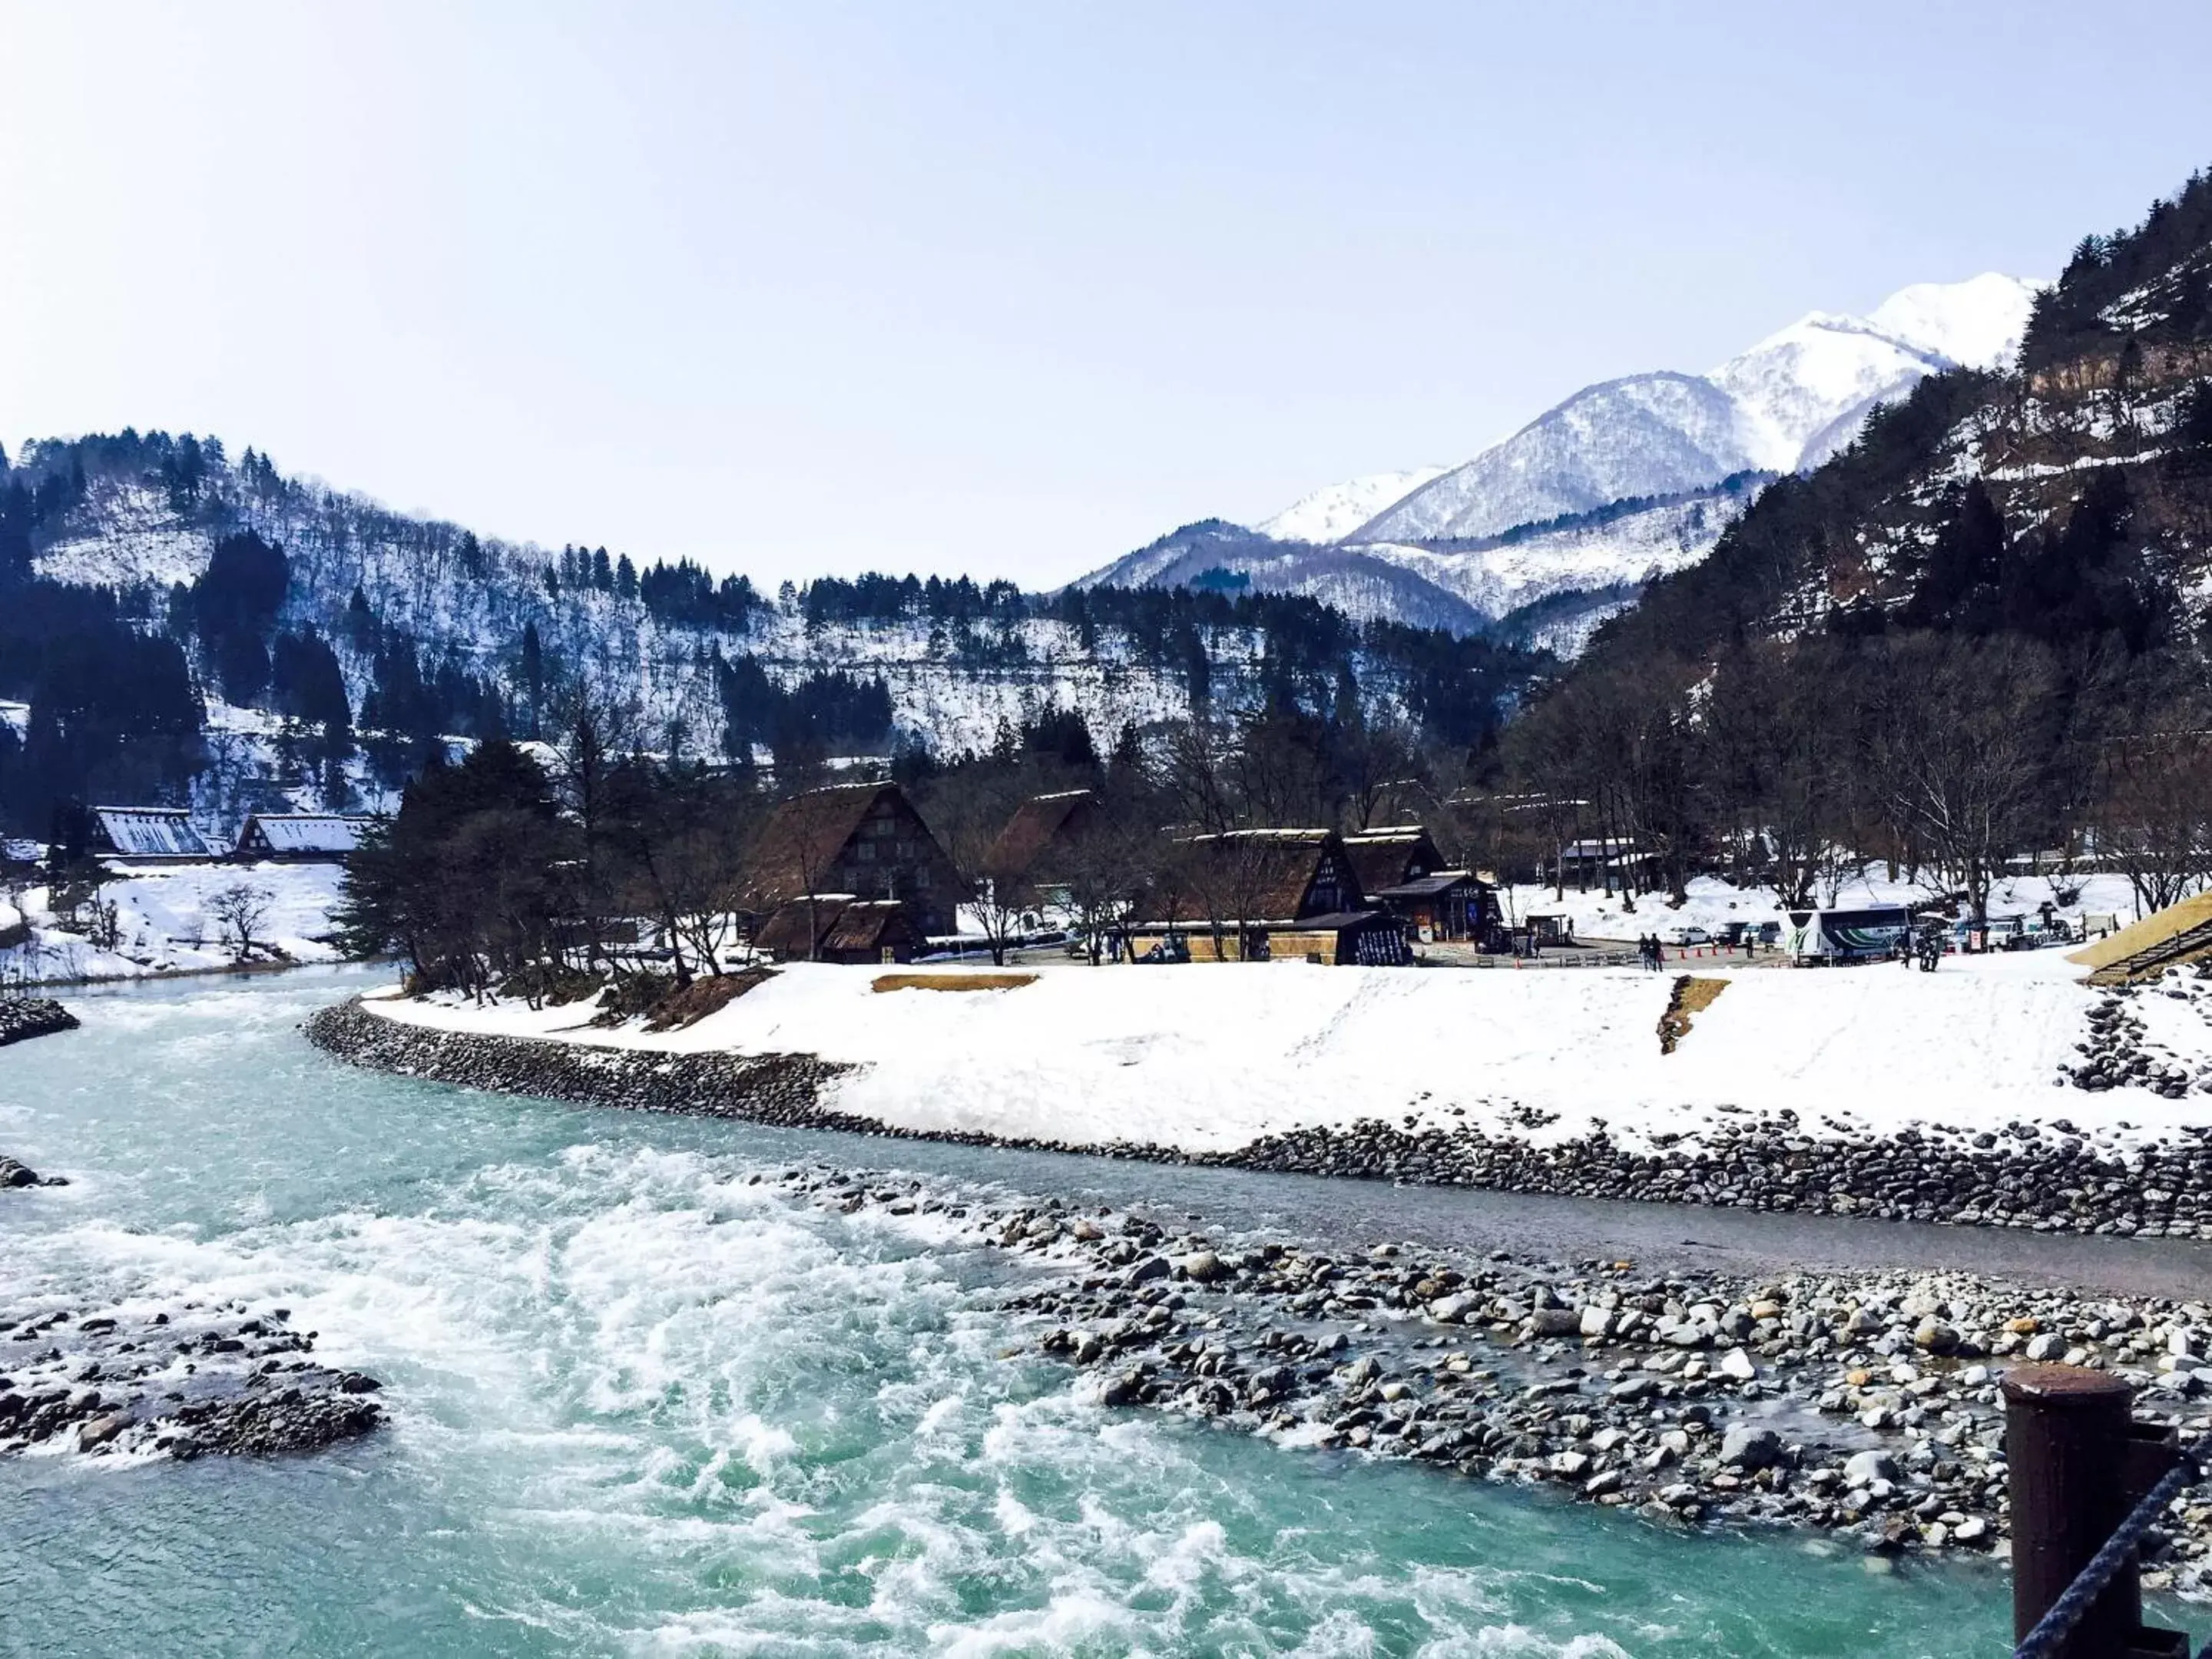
x=1002 y=288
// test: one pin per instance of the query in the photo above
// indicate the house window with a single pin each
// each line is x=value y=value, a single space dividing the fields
x=867 y=852
x=922 y=878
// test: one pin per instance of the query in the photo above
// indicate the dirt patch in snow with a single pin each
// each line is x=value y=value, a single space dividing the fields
x=1691 y=996
x=703 y=997
x=952 y=982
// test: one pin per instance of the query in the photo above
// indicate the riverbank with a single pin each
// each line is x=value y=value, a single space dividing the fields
x=1861 y=1406
x=165 y=925
x=1871 y=1092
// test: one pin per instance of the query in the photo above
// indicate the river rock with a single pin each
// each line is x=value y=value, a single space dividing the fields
x=24 y=1018
x=1750 y=1448
x=1203 y=1266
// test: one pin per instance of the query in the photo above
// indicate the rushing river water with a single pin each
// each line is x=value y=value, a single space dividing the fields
x=641 y=1405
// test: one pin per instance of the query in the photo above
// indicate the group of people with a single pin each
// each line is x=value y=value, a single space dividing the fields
x=1923 y=950
x=1654 y=954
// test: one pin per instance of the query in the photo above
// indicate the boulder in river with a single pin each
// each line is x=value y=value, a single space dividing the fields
x=24 y=1018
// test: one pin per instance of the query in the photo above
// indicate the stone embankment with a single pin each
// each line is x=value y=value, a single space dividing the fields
x=197 y=1381
x=1861 y=1406
x=23 y=1017
x=2046 y=1176
x=774 y=1088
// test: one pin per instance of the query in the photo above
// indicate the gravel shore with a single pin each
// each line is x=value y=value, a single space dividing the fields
x=1864 y=1408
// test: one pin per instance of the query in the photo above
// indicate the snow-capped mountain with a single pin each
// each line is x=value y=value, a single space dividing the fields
x=1784 y=404
x=1623 y=481
x=1331 y=514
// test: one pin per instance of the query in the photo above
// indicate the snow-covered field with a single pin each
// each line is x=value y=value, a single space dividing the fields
x=1210 y=1057
x=1713 y=902
x=164 y=923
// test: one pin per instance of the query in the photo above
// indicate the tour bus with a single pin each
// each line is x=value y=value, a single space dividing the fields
x=1831 y=936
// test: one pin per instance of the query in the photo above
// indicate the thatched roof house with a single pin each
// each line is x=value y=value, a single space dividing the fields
x=838 y=928
x=1286 y=894
x=1042 y=828
x=864 y=840
x=1392 y=855
x=154 y=835
x=301 y=837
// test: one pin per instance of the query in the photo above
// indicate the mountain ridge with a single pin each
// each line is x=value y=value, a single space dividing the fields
x=1785 y=402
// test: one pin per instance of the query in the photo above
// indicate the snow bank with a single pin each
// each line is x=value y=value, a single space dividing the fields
x=164 y=924
x=1210 y=1057
x=1713 y=902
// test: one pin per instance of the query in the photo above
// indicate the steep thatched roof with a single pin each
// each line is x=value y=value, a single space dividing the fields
x=791 y=856
x=1386 y=856
x=1021 y=853
x=150 y=832
x=838 y=923
x=1268 y=875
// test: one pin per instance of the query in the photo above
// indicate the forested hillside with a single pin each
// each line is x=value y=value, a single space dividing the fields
x=1980 y=628
x=179 y=625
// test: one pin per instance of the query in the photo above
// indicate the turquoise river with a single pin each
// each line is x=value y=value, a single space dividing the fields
x=641 y=1407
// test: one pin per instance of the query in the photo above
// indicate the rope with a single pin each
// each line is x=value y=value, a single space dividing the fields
x=2056 y=1625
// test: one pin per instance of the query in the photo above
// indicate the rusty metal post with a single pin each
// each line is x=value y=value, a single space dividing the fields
x=2078 y=1465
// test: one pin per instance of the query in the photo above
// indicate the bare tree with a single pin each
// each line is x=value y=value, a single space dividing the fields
x=2154 y=814
x=1958 y=740
x=239 y=911
x=966 y=809
x=1103 y=871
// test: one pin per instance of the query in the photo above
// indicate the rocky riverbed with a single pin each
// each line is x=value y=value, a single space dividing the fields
x=24 y=1018
x=199 y=1381
x=1865 y=1407
x=2045 y=1174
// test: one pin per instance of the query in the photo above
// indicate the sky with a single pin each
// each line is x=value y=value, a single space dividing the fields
x=1007 y=288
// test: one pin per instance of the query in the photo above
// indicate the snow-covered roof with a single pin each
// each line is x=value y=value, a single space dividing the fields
x=304 y=832
x=150 y=832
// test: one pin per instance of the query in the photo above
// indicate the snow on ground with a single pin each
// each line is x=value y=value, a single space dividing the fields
x=164 y=924
x=1211 y=1056
x=1713 y=902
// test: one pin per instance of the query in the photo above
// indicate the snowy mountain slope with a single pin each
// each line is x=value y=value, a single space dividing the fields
x=1646 y=435
x=1803 y=385
x=1497 y=575
x=1364 y=582
x=1812 y=379
x=1332 y=513
x=467 y=600
x=1658 y=444
x=1977 y=323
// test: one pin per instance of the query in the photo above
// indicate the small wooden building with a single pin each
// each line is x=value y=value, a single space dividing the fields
x=148 y=834
x=1277 y=895
x=1449 y=905
x=864 y=840
x=299 y=837
x=1368 y=939
x=838 y=927
x=1605 y=858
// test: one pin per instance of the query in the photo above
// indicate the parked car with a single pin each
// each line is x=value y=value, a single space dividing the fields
x=1686 y=936
x=1173 y=948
